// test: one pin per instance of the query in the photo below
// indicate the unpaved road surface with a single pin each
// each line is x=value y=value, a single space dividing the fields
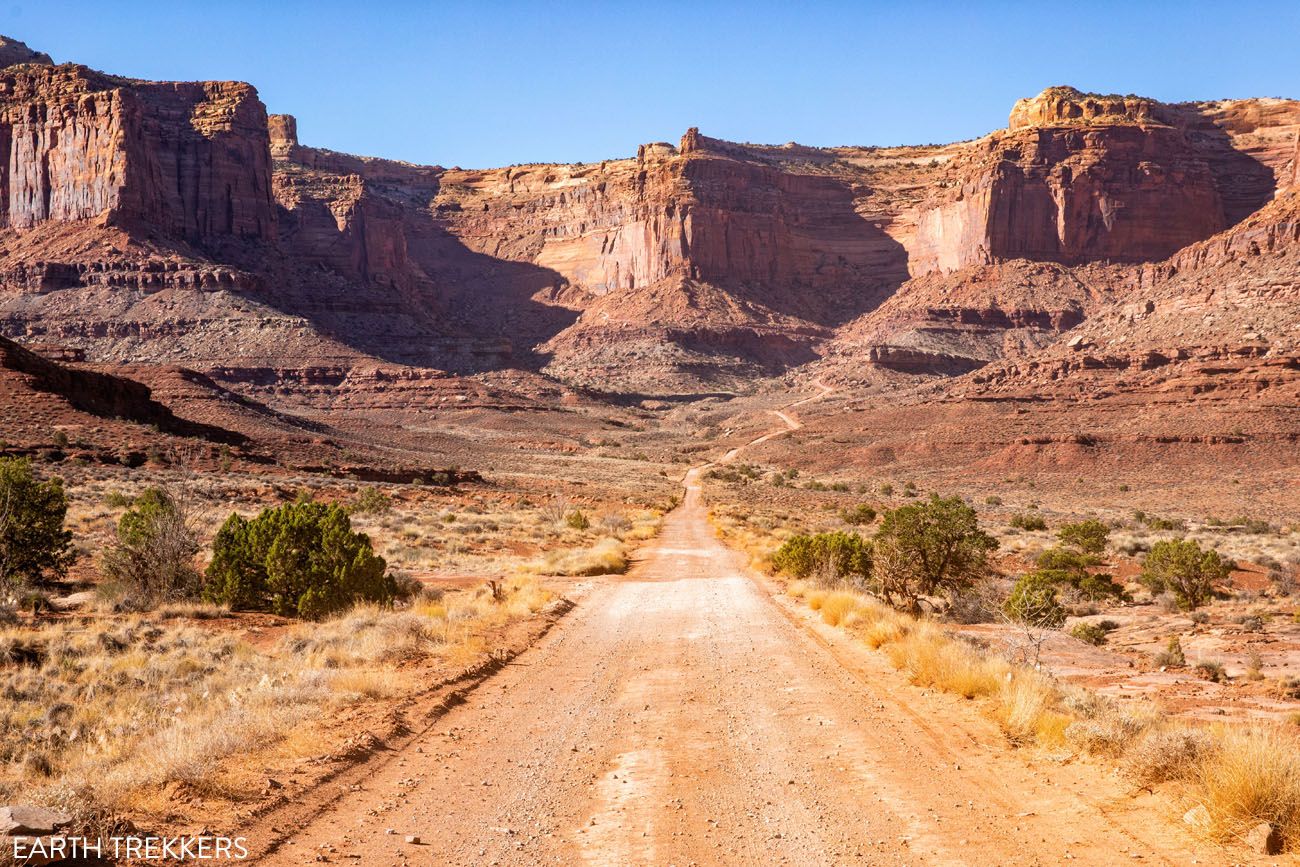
x=682 y=715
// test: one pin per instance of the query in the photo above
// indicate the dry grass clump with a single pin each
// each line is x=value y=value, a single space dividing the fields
x=1110 y=734
x=112 y=709
x=838 y=606
x=1243 y=775
x=1028 y=709
x=934 y=660
x=1165 y=755
x=607 y=556
x=1253 y=776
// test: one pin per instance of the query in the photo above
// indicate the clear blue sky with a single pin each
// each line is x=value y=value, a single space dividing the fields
x=491 y=83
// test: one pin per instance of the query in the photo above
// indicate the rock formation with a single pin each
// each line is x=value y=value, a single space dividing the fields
x=179 y=223
x=191 y=159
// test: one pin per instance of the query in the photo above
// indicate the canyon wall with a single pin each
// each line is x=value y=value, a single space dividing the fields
x=123 y=190
x=1072 y=180
x=190 y=159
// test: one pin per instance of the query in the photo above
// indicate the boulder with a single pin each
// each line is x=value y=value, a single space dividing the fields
x=1264 y=839
x=21 y=821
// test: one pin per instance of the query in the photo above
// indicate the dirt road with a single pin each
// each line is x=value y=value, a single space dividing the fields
x=681 y=715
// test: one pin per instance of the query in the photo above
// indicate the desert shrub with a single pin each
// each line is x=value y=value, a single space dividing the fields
x=1071 y=567
x=299 y=559
x=154 y=552
x=859 y=515
x=887 y=490
x=33 y=543
x=1183 y=568
x=1109 y=733
x=1092 y=633
x=372 y=501
x=1025 y=521
x=1200 y=618
x=1164 y=755
x=1172 y=656
x=1253 y=777
x=930 y=548
x=577 y=520
x=1253 y=623
x=1211 y=671
x=1033 y=601
x=827 y=557
x=1088 y=537
x=992 y=500
x=1176 y=525
x=116 y=500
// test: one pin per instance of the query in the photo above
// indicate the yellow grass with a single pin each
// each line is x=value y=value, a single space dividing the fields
x=1244 y=775
x=1253 y=777
x=111 y=710
x=608 y=556
x=839 y=605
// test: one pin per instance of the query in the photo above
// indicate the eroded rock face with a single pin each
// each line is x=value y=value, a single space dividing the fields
x=1060 y=106
x=196 y=225
x=1113 y=189
x=1087 y=178
x=14 y=52
x=190 y=159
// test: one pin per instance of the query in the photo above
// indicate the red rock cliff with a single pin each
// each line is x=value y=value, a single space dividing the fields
x=1072 y=180
x=191 y=159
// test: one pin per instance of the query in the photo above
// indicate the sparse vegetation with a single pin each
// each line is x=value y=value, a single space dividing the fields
x=126 y=706
x=1182 y=567
x=153 y=558
x=1033 y=602
x=930 y=549
x=301 y=559
x=1092 y=633
x=34 y=545
x=1025 y=521
x=372 y=501
x=860 y=515
x=1241 y=775
x=829 y=558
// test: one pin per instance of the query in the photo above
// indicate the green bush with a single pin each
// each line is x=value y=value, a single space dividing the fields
x=299 y=559
x=1033 y=601
x=154 y=553
x=859 y=515
x=1183 y=568
x=1025 y=521
x=1092 y=633
x=1071 y=567
x=928 y=549
x=577 y=520
x=372 y=501
x=33 y=543
x=1089 y=536
x=826 y=557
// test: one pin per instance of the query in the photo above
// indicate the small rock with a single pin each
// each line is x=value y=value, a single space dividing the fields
x=413 y=839
x=1197 y=817
x=1264 y=839
x=21 y=821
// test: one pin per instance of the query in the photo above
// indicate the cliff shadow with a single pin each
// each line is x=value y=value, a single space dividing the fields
x=434 y=302
x=794 y=243
x=1244 y=183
